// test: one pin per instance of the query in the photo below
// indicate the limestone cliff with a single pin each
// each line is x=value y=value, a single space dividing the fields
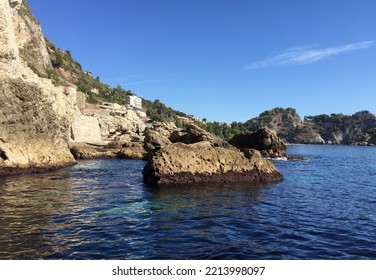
x=35 y=115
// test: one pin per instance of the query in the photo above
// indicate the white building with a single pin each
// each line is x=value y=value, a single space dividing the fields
x=134 y=101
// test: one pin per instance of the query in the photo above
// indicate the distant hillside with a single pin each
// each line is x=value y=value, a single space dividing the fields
x=281 y=120
x=160 y=112
x=60 y=66
x=359 y=128
x=344 y=129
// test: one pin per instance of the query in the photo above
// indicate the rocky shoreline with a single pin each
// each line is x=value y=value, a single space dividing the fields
x=45 y=125
x=10 y=171
x=182 y=156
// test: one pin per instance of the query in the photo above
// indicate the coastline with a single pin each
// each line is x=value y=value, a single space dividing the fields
x=10 y=171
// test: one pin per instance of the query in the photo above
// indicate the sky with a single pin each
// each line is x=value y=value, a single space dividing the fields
x=225 y=60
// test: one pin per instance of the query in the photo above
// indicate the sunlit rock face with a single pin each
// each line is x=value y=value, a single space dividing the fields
x=35 y=115
x=181 y=163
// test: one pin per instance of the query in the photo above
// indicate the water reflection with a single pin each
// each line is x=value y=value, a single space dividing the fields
x=208 y=199
x=216 y=215
x=26 y=206
x=102 y=210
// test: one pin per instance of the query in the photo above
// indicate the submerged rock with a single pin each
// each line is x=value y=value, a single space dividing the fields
x=181 y=163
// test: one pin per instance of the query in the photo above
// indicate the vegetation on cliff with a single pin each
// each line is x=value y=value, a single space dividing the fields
x=358 y=128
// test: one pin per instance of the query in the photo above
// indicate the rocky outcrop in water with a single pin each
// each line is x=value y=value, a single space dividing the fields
x=333 y=129
x=180 y=163
x=194 y=134
x=35 y=114
x=263 y=140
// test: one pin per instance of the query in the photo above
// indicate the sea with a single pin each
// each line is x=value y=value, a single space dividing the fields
x=324 y=209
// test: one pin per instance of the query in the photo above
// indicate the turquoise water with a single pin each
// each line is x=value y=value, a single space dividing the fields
x=325 y=208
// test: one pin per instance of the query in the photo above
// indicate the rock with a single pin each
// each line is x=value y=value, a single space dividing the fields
x=158 y=135
x=155 y=140
x=85 y=129
x=296 y=158
x=335 y=138
x=252 y=154
x=112 y=125
x=194 y=134
x=306 y=134
x=115 y=145
x=176 y=136
x=363 y=143
x=15 y=4
x=34 y=133
x=35 y=115
x=91 y=152
x=132 y=153
x=263 y=140
x=180 y=163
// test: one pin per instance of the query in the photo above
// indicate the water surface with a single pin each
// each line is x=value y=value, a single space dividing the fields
x=325 y=208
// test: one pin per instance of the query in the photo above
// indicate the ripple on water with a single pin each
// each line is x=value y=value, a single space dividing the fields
x=323 y=209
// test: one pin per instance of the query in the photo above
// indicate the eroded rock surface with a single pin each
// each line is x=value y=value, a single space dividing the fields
x=181 y=163
x=35 y=115
x=263 y=140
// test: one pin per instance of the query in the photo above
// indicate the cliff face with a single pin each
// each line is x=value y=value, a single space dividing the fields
x=35 y=115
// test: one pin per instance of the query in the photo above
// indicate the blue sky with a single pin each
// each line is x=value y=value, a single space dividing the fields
x=225 y=60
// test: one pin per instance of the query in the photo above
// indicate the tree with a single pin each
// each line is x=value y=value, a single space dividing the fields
x=372 y=132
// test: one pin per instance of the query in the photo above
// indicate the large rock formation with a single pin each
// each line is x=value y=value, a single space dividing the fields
x=263 y=140
x=194 y=134
x=180 y=163
x=35 y=115
x=158 y=135
x=162 y=134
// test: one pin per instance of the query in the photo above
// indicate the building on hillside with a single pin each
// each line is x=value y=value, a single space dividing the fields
x=195 y=119
x=140 y=112
x=114 y=107
x=184 y=119
x=134 y=101
x=189 y=119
